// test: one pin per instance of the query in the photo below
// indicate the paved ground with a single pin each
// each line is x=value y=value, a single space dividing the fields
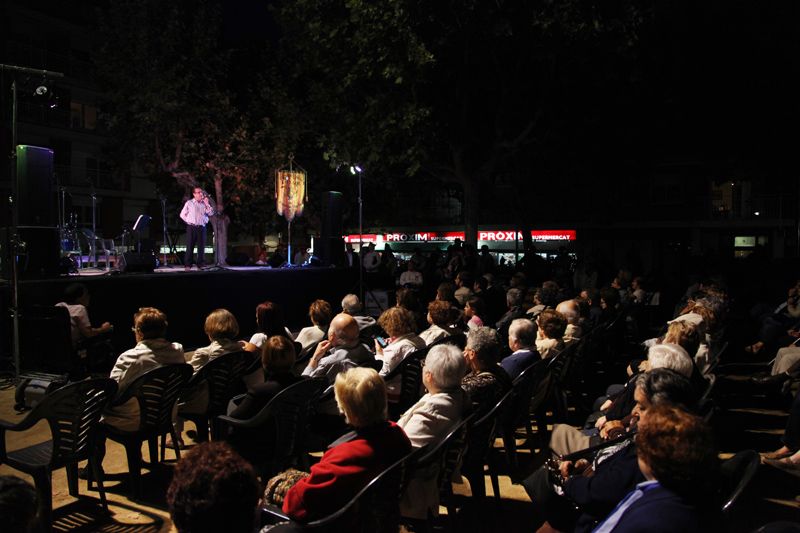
x=749 y=421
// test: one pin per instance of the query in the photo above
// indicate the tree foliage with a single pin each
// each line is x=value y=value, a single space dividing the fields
x=463 y=91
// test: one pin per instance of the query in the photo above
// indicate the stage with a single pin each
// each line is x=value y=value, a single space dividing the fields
x=185 y=296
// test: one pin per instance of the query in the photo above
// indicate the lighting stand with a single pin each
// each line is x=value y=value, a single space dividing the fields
x=15 y=244
x=164 y=224
x=94 y=228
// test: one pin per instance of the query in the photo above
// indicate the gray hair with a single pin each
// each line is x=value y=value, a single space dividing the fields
x=446 y=365
x=670 y=356
x=485 y=342
x=514 y=297
x=351 y=304
x=523 y=330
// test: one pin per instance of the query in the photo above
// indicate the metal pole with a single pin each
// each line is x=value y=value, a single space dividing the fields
x=164 y=225
x=94 y=227
x=289 y=246
x=14 y=238
x=360 y=241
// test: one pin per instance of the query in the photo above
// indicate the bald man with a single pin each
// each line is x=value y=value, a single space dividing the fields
x=572 y=311
x=340 y=352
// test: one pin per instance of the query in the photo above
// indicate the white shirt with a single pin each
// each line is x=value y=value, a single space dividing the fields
x=78 y=318
x=196 y=213
x=394 y=354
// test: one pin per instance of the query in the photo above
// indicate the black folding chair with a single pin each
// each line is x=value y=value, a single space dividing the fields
x=73 y=413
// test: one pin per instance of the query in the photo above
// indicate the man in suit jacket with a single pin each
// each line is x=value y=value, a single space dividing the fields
x=522 y=341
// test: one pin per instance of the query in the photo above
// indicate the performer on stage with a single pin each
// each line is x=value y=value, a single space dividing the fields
x=195 y=213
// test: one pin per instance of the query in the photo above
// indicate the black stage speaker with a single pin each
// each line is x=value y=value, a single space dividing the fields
x=137 y=262
x=40 y=256
x=331 y=246
x=36 y=202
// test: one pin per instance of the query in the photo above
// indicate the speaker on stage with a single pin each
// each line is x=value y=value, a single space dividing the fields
x=36 y=202
x=39 y=258
x=331 y=246
x=137 y=262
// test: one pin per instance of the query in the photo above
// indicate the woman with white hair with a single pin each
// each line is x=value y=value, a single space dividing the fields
x=437 y=411
x=428 y=422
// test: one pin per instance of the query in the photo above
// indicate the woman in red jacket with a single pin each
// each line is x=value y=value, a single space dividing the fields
x=353 y=460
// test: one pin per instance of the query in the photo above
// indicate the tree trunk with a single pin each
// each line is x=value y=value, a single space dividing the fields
x=471 y=210
x=220 y=223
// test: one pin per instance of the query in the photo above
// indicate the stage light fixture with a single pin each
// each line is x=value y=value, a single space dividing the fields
x=41 y=90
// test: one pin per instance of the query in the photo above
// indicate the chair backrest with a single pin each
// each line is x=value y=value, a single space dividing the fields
x=410 y=372
x=157 y=390
x=224 y=377
x=46 y=341
x=525 y=385
x=481 y=434
x=448 y=453
x=73 y=413
x=736 y=474
x=376 y=507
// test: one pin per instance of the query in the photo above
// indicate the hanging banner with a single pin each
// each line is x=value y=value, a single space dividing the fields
x=290 y=193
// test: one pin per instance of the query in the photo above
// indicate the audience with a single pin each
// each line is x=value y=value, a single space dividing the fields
x=429 y=421
x=474 y=311
x=398 y=323
x=320 y=313
x=439 y=316
x=676 y=455
x=522 y=341
x=486 y=381
x=151 y=351
x=213 y=489
x=18 y=505
x=77 y=298
x=350 y=462
x=269 y=321
x=550 y=336
x=351 y=305
x=514 y=300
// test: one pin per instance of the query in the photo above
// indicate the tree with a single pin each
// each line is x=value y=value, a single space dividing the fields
x=169 y=109
x=460 y=90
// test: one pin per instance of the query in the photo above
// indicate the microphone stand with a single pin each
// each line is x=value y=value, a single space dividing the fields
x=94 y=227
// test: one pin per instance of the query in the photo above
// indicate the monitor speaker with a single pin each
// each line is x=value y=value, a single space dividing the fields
x=137 y=262
x=36 y=201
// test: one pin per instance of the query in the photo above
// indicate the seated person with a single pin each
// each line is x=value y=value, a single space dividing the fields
x=522 y=341
x=213 y=489
x=514 y=300
x=340 y=352
x=439 y=319
x=596 y=485
x=474 y=311
x=572 y=313
x=550 y=337
x=269 y=321
x=321 y=314
x=151 y=351
x=408 y=299
x=353 y=460
x=77 y=298
x=398 y=323
x=18 y=505
x=351 y=305
x=486 y=381
x=428 y=422
x=616 y=420
x=676 y=455
x=221 y=328
x=277 y=360
x=787 y=457
x=464 y=291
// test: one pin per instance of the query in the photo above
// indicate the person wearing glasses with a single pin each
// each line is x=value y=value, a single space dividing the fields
x=195 y=213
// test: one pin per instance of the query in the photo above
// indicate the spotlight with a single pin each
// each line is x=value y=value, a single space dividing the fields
x=41 y=90
x=757 y=213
